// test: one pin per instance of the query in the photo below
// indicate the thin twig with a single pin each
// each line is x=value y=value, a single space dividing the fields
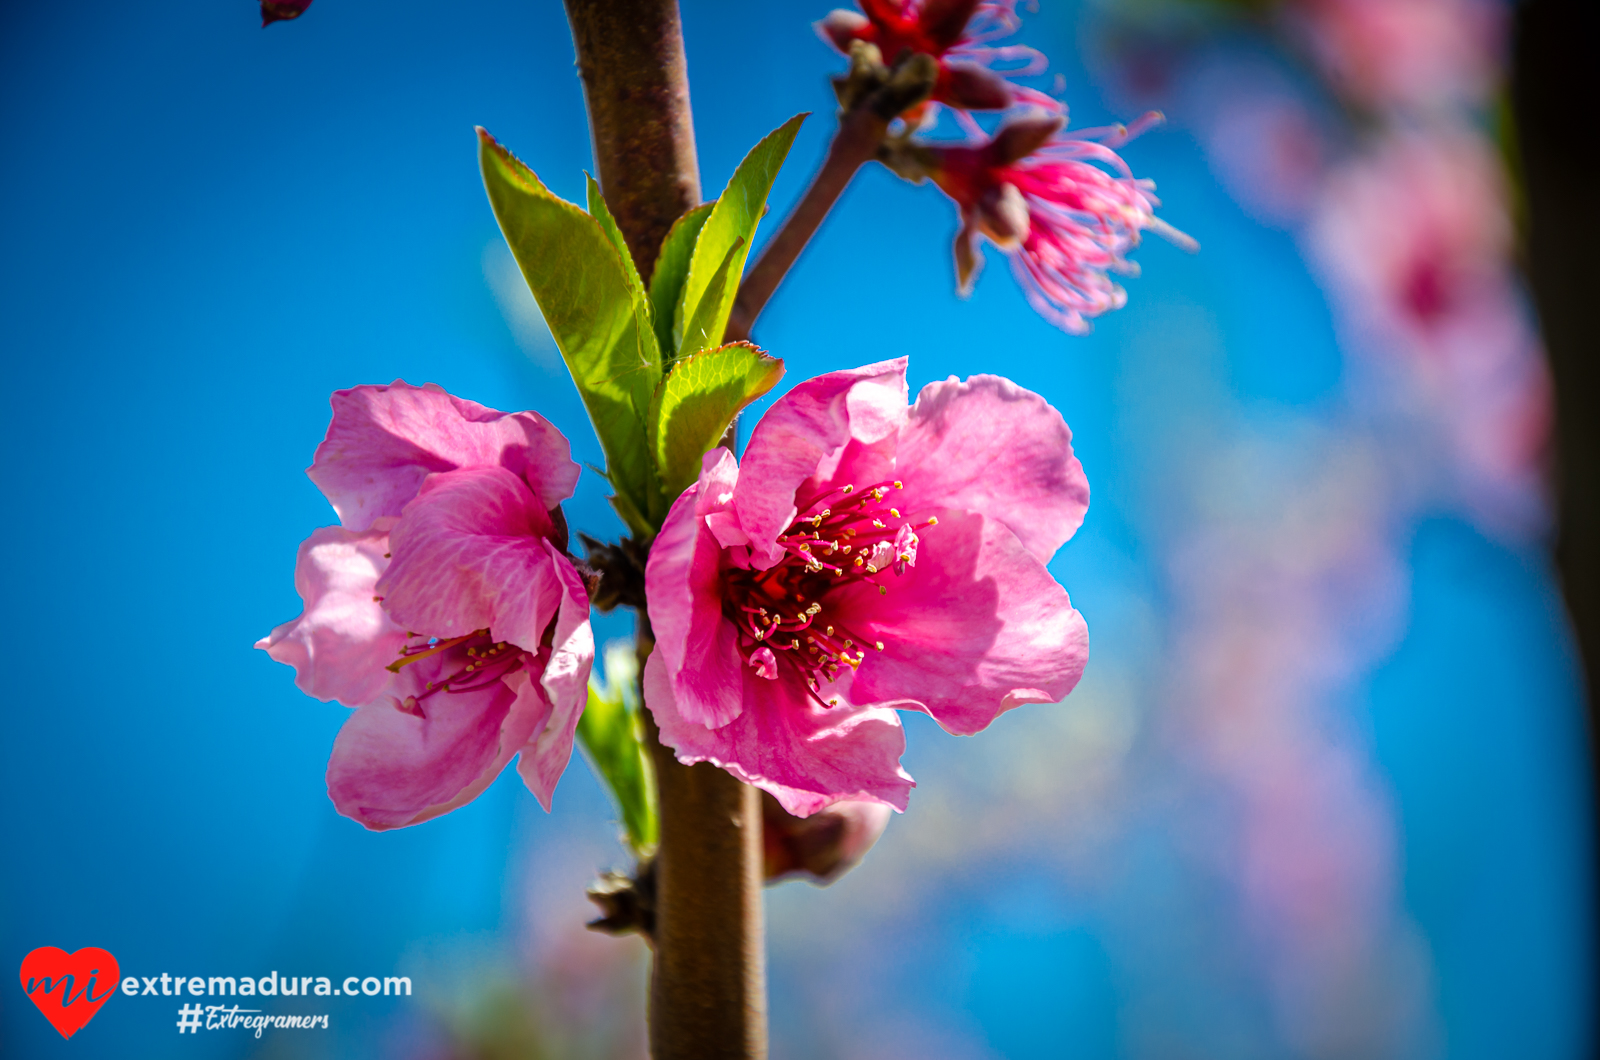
x=855 y=144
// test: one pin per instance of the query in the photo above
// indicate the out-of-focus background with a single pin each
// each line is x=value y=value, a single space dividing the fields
x=1323 y=792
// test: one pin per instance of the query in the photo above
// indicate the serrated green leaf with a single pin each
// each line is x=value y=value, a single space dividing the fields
x=612 y=737
x=599 y=315
x=672 y=269
x=734 y=218
x=695 y=404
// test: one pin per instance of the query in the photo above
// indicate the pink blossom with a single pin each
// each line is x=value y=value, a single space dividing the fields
x=443 y=607
x=864 y=557
x=1415 y=239
x=1404 y=53
x=1065 y=223
x=960 y=34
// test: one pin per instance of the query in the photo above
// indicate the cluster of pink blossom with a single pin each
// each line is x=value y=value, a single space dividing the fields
x=866 y=557
x=1039 y=194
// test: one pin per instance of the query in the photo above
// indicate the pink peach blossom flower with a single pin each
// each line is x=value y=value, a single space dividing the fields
x=1410 y=54
x=960 y=34
x=443 y=607
x=864 y=557
x=1065 y=223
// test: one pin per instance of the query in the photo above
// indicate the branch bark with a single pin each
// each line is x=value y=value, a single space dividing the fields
x=708 y=984
x=636 y=86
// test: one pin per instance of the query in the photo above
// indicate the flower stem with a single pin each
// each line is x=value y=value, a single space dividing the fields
x=860 y=132
x=708 y=984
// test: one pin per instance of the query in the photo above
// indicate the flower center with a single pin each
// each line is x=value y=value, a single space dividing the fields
x=473 y=662
x=787 y=614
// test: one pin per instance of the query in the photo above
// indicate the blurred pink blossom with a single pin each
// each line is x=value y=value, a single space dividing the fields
x=1415 y=239
x=443 y=607
x=1404 y=53
x=864 y=557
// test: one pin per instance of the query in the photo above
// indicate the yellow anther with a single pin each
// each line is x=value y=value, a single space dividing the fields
x=879 y=524
x=830 y=631
x=878 y=644
x=870 y=568
x=898 y=486
x=895 y=512
x=933 y=520
x=847 y=489
x=883 y=590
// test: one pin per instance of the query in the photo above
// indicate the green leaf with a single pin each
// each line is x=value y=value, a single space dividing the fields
x=611 y=734
x=732 y=219
x=672 y=269
x=704 y=330
x=694 y=405
x=589 y=291
x=608 y=224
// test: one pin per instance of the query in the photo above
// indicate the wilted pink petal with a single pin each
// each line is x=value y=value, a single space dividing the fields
x=1039 y=195
x=784 y=660
x=384 y=440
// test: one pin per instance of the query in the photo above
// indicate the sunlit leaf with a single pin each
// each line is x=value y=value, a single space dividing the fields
x=672 y=269
x=697 y=401
x=598 y=313
x=733 y=219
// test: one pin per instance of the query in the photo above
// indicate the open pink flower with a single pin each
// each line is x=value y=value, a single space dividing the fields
x=443 y=607
x=960 y=34
x=865 y=557
x=1065 y=223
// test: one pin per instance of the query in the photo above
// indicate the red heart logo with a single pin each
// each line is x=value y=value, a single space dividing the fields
x=69 y=988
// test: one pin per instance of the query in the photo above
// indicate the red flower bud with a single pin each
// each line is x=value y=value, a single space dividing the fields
x=282 y=10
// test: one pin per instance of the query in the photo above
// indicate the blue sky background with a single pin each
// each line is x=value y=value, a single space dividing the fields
x=206 y=227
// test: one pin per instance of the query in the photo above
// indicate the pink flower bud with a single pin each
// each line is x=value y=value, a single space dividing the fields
x=282 y=10
x=821 y=847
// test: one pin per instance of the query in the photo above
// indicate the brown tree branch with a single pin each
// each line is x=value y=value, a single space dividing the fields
x=636 y=86
x=708 y=985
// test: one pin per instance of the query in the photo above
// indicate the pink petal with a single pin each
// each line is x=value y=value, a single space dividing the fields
x=384 y=440
x=564 y=684
x=785 y=743
x=683 y=582
x=394 y=764
x=837 y=426
x=343 y=639
x=471 y=553
x=989 y=446
x=977 y=627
